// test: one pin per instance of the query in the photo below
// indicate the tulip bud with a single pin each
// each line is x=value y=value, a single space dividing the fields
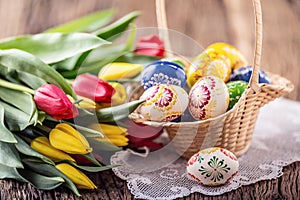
x=64 y=137
x=119 y=96
x=53 y=101
x=119 y=70
x=42 y=145
x=150 y=45
x=77 y=177
x=90 y=86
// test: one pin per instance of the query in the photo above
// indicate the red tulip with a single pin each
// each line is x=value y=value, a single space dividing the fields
x=150 y=45
x=140 y=135
x=91 y=87
x=53 y=101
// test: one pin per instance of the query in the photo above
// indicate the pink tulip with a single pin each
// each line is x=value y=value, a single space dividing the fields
x=150 y=45
x=54 y=102
x=90 y=86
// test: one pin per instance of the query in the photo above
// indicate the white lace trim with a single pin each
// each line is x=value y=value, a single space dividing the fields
x=275 y=144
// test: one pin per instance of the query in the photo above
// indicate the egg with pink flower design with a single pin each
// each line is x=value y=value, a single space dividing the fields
x=208 y=98
x=163 y=102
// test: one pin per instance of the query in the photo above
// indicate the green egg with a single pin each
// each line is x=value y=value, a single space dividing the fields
x=235 y=89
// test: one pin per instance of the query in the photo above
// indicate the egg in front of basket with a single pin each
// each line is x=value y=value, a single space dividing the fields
x=208 y=98
x=163 y=102
x=212 y=166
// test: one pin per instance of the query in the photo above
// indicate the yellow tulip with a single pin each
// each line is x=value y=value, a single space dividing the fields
x=77 y=177
x=114 y=134
x=67 y=139
x=119 y=96
x=109 y=129
x=119 y=70
x=42 y=145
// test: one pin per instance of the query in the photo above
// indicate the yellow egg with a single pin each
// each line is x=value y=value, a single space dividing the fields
x=119 y=70
x=236 y=58
x=207 y=64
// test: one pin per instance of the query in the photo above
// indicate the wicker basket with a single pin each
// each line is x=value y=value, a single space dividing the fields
x=233 y=130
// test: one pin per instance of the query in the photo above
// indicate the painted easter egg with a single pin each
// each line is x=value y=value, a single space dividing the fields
x=163 y=102
x=244 y=74
x=213 y=166
x=236 y=58
x=235 y=89
x=208 y=98
x=207 y=65
x=163 y=72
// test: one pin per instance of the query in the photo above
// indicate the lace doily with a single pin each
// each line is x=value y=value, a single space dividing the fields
x=275 y=144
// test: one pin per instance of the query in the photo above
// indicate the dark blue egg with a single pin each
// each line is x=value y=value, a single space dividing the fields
x=163 y=72
x=244 y=74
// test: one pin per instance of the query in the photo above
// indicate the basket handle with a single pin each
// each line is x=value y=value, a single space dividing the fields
x=163 y=27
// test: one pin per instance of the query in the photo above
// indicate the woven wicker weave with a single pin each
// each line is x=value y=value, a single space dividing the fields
x=232 y=130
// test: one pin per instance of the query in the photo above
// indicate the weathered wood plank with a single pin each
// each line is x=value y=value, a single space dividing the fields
x=111 y=187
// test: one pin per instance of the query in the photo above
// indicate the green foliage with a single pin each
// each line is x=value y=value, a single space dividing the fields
x=23 y=61
x=87 y=23
x=116 y=113
x=53 y=47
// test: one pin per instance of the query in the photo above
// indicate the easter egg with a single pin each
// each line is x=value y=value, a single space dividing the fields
x=119 y=70
x=207 y=65
x=236 y=58
x=244 y=74
x=212 y=166
x=163 y=102
x=208 y=98
x=162 y=72
x=235 y=89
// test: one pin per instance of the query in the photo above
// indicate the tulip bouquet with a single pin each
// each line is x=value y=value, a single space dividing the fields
x=58 y=119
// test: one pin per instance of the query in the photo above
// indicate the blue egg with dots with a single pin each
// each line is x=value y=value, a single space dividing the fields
x=163 y=72
x=244 y=74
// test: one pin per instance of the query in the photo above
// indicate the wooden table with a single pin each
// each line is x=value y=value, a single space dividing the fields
x=112 y=187
x=206 y=22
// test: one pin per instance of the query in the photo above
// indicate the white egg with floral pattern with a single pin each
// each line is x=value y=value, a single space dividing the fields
x=163 y=102
x=213 y=166
x=208 y=98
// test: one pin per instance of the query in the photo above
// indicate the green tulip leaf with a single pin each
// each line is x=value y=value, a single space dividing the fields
x=9 y=155
x=22 y=101
x=100 y=147
x=5 y=134
x=21 y=77
x=16 y=120
x=49 y=170
x=91 y=158
x=110 y=32
x=40 y=181
x=25 y=149
x=87 y=23
x=92 y=65
x=92 y=169
x=53 y=47
x=116 y=113
x=31 y=80
x=10 y=172
x=117 y=27
x=87 y=132
x=23 y=61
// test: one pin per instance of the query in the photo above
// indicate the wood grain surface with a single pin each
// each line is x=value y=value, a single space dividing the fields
x=111 y=187
x=205 y=21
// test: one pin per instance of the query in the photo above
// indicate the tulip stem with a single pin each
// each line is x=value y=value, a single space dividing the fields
x=14 y=86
